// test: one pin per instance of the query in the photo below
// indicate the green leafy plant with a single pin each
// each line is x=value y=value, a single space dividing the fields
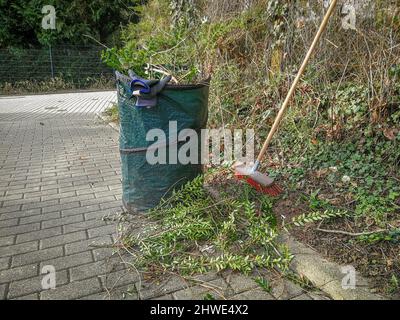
x=394 y=284
x=388 y=236
x=209 y=296
x=193 y=234
x=317 y=203
x=315 y=216
x=264 y=284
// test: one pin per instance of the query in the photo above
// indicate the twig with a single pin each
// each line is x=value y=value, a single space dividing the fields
x=351 y=233
x=95 y=40
x=332 y=43
x=153 y=68
x=169 y=49
x=216 y=289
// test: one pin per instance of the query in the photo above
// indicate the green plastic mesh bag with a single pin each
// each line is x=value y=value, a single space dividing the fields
x=144 y=184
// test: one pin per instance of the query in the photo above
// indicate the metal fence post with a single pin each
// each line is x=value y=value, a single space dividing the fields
x=51 y=61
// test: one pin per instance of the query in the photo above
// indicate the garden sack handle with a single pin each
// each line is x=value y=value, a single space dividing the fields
x=296 y=80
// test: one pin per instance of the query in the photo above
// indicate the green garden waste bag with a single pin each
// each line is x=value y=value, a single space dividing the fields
x=179 y=107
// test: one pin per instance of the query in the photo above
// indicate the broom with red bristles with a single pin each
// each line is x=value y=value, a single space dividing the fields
x=262 y=182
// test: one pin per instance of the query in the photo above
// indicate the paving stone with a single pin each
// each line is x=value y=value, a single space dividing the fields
x=84 y=245
x=240 y=283
x=62 y=221
x=97 y=200
x=84 y=225
x=26 y=190
x=39 y=204
x=165 y=297
x=318 y=296
x=70 y=194
x=23 y=213
x=36 y=195
x=103 y=253
x=105 y=194
x=40 y=217
x=34 y=285
x=127 y=292
x=204 y=277
x=33 y=296
x=96 y=296
x=84 y=199
x=302 y=297
x=122 y=293
x=19 y=229
x=40 y=234
x=61 y=207
x=26 y=203
x=4 y=263
x=18 y=273
x=255 y=294
x=283 y=289
x=69 y=261
x=103 y=230
x=19 y=248
x=92 y=190
x=172 y=283
x=37 y=256
x=63 y=239
x=99 y=215
x=80 y=189
x=118 y=278
x=51 y=186
x=112 y=204
x=8 y=222
x=116 y=186
x=73 y=290
x=12 y=197
x=217 y=288
x=7 y=241
x=10 y=209
x=91 y=270
x=9 y=215
x=3 y=291
x=80 y=210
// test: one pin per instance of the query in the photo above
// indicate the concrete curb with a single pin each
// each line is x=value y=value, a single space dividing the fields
x=105 y=120
x=326 y=275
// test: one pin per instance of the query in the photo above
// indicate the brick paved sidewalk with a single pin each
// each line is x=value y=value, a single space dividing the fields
x=59 y=178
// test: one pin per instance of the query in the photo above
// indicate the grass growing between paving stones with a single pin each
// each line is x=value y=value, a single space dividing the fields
x=112 y=113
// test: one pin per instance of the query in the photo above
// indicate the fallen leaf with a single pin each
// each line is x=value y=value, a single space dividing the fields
x=389 y=133
x=320 y=173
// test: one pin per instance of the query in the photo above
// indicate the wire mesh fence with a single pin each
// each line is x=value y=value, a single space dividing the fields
x=75 y=64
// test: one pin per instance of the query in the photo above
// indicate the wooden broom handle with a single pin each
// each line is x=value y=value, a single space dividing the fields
x=296 y=80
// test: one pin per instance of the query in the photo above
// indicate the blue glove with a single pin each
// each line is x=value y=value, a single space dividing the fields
x=146 y=91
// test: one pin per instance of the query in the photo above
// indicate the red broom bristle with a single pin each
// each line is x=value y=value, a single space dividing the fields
x=272 y=190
